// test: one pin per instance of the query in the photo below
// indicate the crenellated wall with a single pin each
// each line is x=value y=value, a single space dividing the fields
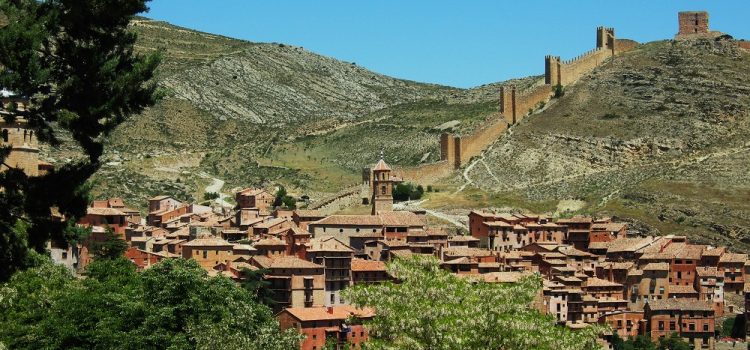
x=427 y=173
x=455 y=151
x=530 y=100
x=473 y=144
x=574 y=69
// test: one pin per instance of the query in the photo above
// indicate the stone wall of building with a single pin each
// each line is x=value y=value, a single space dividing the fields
x=24 y=152
x=692 y=23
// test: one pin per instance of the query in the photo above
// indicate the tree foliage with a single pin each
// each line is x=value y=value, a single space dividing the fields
x=110 y=246
x=407 y=191
x=73 y=61
x=257 y=286
x=434 y=309
x=642 y=342
x=283 y=199
x=172 y=305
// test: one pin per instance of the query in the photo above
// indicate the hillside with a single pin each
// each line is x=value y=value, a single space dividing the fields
x=257 y=114
x=658 y=135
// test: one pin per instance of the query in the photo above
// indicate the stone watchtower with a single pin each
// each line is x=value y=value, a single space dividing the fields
x=24 y=149
x=692 y=24
x=605 y=38
x=382 y=188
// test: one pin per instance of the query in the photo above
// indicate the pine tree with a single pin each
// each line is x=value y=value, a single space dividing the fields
x=73 y=60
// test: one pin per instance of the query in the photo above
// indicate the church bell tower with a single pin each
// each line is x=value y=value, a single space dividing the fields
x=382 y=187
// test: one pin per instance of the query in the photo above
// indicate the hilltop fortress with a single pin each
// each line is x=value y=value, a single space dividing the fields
x=515 y=105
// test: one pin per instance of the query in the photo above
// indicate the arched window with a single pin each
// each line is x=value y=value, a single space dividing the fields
x=5 y=135
x=382 y=190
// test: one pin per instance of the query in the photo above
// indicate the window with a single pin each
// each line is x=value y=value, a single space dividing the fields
x=705 y=328
x=672 y=326
x=382 y=190
x=661 y=325
x=205 y=254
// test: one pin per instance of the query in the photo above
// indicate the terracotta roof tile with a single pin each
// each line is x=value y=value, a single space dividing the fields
x=362 y=265
x=321 y=313
x=208 y=242
x=381 y=165
x=328 y=244
x=284 y=262
x=679 y=304
x=598 y=282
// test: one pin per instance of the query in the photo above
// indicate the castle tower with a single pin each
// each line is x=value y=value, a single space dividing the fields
x=552 y=70
x=692 y=23
x=24 y=148
x=382 y=187
x=605 y=38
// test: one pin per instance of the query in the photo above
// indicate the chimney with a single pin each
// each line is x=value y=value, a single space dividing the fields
x=329 y=309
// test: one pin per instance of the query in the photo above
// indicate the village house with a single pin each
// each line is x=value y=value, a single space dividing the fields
x=336 y=257
x=294 y=282
x=369 y=271
x=692 y=320
x=321 y=324
x=627 y=323
x=302 y=218
x=208 y=251
x=254 y=198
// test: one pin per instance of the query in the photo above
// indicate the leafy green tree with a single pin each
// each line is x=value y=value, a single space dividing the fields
x=617 y=342
x=559 y=91
x=110 y=246
x=674 y=342
x=434 y=309
x=407 y=191
x=74 y=62
x=209 y=196
x=172 y=305
x=260 y=288
x=283 y=199
x=727 y=326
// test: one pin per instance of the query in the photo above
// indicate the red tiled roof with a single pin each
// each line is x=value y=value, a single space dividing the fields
x=381 y=165
x=321 y=313
x=104 y=211
x=284 y=262
x=362 y=265
x=679 y=304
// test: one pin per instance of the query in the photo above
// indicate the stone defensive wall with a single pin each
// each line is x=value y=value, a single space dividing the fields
x=457 y=150
x=426 y=173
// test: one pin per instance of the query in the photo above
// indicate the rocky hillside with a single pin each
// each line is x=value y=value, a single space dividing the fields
x=255 y=114
x=658 y=135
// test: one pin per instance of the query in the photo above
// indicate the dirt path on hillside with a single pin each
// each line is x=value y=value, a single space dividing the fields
x=215 y=187
x=455 y=220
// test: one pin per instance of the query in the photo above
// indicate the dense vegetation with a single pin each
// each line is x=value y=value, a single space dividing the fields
x=172 y=305
x=73 y=60
x=673 y=342
x=434 y=309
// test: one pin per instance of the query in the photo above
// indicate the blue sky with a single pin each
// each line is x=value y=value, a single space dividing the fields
x=456 y=43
